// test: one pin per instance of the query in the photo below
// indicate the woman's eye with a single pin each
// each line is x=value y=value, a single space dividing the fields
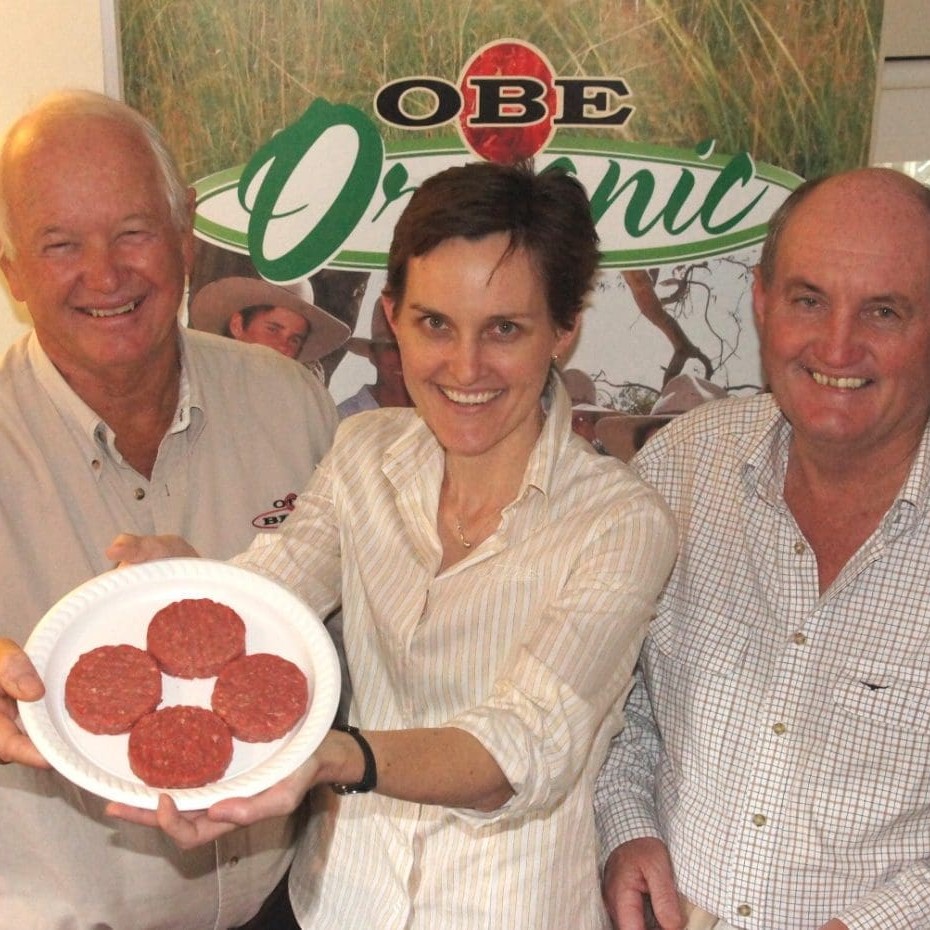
x=506 y=328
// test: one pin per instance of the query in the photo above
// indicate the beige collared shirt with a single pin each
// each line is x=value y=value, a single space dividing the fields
x=250 y=427
x=528 y=643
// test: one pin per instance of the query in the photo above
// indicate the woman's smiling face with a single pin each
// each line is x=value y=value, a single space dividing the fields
x=476 y=339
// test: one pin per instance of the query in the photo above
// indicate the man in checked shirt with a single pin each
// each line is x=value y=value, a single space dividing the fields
x=774 y=772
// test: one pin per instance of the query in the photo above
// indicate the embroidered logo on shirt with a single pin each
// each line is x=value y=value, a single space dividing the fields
x=272 y=519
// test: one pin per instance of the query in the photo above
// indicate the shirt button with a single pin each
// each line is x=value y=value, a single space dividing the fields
x=140 y=493
x=759 y=820
x=95 y=464
x=799 y=548
x=778 y=728
x=799 y=639
x=744 y=910
x=234 y=860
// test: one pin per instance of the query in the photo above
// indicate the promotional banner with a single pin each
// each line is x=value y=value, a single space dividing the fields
x=307 y=126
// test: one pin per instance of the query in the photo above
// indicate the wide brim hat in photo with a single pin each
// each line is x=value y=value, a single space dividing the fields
x=594 y=409
x=381 y=333
x=583 y=393
x=619 y=434
x=217 y=301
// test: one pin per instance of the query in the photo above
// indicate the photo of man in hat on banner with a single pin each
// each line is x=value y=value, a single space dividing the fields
x=284 y=318
x=309 y=320
x=624 y=435
x=381 y=350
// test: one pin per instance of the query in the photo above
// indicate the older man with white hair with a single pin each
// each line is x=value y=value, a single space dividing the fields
x=114 y=418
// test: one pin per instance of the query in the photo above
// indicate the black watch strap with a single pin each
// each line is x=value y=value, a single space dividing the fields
x=370 y=777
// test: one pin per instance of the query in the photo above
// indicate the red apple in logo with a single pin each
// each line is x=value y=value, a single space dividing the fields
x=526 y=115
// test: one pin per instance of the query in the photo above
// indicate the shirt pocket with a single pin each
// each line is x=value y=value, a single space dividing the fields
x=695 y=665
x=873 y=767
x=706 y=642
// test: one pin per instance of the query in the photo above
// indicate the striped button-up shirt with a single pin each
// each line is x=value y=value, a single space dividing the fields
x=787 y=761
x=528 y=644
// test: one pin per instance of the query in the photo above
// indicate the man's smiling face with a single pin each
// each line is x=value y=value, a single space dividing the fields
x=98 y=260
x=844 y=323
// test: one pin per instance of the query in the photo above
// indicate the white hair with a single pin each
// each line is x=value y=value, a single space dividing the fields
x=70 y=104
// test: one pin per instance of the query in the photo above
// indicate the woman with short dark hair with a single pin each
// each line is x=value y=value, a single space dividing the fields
x=495 y=578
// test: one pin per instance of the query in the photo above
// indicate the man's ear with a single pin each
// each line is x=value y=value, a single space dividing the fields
x=13 y=278
x=759 y=298
x=235 y=325
x=187 y=235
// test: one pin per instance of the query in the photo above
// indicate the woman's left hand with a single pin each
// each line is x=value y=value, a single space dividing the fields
x=189 y=829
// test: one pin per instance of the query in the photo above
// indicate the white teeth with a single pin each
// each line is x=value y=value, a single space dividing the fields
x=848 y=383
x=116 y=311
x=460 y=397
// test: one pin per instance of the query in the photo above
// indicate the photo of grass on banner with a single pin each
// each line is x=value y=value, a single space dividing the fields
x=306 y=126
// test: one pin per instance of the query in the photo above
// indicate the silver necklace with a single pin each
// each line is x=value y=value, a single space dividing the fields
x=461 y=533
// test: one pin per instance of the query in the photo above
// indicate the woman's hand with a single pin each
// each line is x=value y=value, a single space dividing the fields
x=127 y=549
x=189 y=829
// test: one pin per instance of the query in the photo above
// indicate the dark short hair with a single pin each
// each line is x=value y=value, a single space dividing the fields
x=547 y=214
x=247 y=314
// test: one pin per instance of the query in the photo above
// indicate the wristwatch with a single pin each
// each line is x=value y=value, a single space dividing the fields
x=370 y=777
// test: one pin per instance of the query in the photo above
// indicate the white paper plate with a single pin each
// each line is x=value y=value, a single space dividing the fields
x=116 y=608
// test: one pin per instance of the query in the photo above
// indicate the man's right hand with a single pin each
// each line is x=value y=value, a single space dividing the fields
x=128 y=549
x=18 y=682
x=635 y=869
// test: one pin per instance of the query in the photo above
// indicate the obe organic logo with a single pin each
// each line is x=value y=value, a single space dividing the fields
x=327 y=189
x=508 y=102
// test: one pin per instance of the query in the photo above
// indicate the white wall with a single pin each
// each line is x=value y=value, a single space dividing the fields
x=901 y=127
x=46 y=45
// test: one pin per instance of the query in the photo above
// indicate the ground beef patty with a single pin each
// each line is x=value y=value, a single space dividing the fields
x=180 y=747
x=195 y=637
x=260 y=696
x=109 y=688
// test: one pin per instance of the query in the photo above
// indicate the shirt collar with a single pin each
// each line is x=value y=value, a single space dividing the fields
x=190 y=391
x=766 y=459
x=416 y=451
x=543 y=461
x=912 y=501
x=73 y=410
x=84 y=420
x=766 y=463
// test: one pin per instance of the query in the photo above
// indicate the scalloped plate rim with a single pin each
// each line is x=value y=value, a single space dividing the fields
x=206 y=577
